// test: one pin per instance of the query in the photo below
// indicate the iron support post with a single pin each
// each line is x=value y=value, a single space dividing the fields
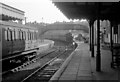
x=92 y=41
x=90 y=37
x=98 y=55
x=111 y=37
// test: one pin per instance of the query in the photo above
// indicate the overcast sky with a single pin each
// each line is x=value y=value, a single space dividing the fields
x=37 y=10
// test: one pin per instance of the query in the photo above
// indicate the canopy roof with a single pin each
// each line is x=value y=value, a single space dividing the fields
x=90 y=10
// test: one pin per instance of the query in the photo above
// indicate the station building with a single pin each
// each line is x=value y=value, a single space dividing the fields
x=105 y=32
x=8 y=13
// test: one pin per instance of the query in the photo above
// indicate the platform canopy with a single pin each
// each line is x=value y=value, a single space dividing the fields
x=90 y=9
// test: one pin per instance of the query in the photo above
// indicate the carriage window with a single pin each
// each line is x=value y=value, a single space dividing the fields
x=12 y=31
x=14 y=35
x=9 y=35
x=8 y=32
x=28 y=35
x=20 y=35
x=33 y=35
x=36 y=35
x=6 y=37
x=24 y=35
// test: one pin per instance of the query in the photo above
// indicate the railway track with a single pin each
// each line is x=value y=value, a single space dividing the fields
x=16 y=69
x=43 y=72
x=10 y=75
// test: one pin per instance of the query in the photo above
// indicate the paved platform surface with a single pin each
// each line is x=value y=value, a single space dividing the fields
x=81 y=66
x=43 y=42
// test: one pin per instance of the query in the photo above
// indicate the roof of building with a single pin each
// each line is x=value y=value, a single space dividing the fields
x=8 y=12
x=88 y=9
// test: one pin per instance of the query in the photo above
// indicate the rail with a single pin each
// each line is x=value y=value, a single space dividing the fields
x=42 y=67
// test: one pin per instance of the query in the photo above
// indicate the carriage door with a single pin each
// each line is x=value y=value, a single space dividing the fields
x=0 y=42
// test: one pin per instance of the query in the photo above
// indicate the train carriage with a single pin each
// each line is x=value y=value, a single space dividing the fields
x=16 y=38
x=0 y=43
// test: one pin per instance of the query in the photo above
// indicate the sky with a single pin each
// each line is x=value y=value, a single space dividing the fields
x=38 y=10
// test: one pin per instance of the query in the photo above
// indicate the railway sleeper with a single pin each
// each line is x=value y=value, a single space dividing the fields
x=23 y=65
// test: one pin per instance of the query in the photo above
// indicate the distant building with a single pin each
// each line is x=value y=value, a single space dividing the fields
x=105 y=32
x=8 y=13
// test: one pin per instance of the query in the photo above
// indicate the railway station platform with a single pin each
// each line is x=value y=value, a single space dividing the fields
x=80 y=66
x=45 y=45
x=45 y=42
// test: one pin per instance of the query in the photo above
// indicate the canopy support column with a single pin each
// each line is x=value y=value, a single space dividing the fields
x=92 y=38
x=98 y=55
x=111 y=37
